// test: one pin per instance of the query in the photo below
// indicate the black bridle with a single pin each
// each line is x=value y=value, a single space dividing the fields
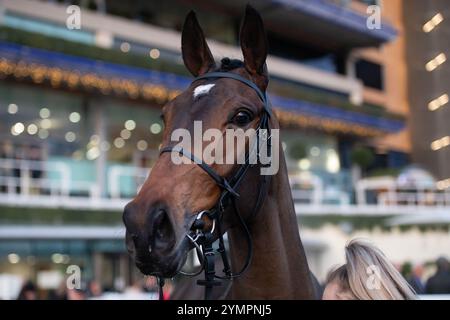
x=203 y=241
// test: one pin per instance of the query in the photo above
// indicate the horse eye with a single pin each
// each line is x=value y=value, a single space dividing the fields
x=242 y=118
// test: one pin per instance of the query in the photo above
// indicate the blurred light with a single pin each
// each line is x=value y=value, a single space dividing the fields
x=284 y=146
x=443 y=184
x=13 y=258
x=13 y=108
x=57 y=258
x=46 y=123
x=105 y=146
x=440 y=143
x=304 y=164
x=436 y=62
x=43 y=133
x=119 y=143
x=155 y=128
x=32 y=129
x=125 y=134
x=93 y=153
x=125 y=47
x=142 y=145
x=77 y=155
x=94 y=139
x=70 y=136
x=439 y=102
x=44 y=113
x=315 y=151
x=332 y=164
x=17 y=129
x=130 y=125
x=433 y=23
x=65 y=258
x=74 y=117
x=154 y=53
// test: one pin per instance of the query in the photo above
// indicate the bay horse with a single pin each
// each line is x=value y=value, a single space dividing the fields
x=161 y=217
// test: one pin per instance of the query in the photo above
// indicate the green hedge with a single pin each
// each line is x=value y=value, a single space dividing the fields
x=18 y=215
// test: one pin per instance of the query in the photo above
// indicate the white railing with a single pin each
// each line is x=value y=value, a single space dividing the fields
x=423 y=198
x=16 y=177
x=116 y=172
x=52 y=184
x=388 y=192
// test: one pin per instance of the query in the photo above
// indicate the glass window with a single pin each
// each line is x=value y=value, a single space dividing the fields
x=370 y=73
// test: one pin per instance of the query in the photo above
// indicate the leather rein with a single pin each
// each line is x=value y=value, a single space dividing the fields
x=203 y=240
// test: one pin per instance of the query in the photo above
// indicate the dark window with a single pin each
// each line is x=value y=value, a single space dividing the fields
x=369 y=2
x=371 y=74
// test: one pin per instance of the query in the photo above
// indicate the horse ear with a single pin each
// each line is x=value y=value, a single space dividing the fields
x=253 y=42
x=196 y=54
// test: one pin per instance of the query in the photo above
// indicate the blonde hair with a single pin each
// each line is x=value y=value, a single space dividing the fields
x=369 y=275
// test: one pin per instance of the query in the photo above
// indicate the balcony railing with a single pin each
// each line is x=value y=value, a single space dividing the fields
x=52 y=184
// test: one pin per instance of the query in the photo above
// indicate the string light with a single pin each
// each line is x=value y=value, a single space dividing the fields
x=440 y=143
x=142 y=145
x=443 y=184
x=125 y=47
x=43 y=134
x=154 y=53
x=74 y=117
x=433 y=23
x=73 y=79
x=13 y=108
x=438 y=102
x=70 y=136
x=436 y=62
x=44 y=113
x=155 y=128
x=125 y=134
x=13 y=258
x=32 y=129
x=130 y=125
x=17 y=128
x=46 y=123
x=119 y=143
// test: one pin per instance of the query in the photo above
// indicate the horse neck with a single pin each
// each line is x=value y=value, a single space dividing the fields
x=279 y=269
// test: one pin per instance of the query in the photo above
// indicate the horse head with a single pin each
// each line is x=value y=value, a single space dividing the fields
x=158 y=219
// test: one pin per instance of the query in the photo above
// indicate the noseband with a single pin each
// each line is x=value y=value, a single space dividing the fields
x=203 y=241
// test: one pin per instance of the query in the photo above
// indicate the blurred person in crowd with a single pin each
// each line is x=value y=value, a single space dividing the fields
x=94 y=289
x=34 y=154
x=135 y=291
x=76 y=294
x=366 y=275
x=151 y=284
x=60 y=293
x=414 y=276
x=439 y=283
x=28 y=291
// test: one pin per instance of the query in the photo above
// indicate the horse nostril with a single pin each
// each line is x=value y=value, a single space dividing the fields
x=163 y=231
x=135 y=239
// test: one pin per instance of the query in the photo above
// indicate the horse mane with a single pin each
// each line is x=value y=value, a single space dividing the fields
x=227 y=64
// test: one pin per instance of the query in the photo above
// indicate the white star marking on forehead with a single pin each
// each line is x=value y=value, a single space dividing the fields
x=203 y=90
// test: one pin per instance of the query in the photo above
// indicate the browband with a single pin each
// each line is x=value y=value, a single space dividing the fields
x=237 y=77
